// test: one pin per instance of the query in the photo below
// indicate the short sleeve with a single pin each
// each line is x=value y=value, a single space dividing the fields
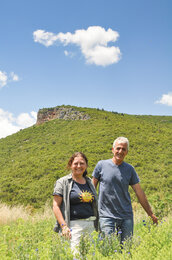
x=97 y=170
x=134 y=177
x=58 y=188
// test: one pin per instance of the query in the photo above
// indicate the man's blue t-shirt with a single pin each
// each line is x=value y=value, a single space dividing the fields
x=114 y=180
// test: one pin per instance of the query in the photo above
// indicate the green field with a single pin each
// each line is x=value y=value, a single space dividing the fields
x=32 y=159
x=32 y=237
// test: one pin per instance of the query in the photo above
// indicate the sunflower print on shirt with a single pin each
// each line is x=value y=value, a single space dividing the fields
x=86 y=196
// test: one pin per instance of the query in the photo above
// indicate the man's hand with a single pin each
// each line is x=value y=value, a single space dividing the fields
x=154 y=219
x=144 y=202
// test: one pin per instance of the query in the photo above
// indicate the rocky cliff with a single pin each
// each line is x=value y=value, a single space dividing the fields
x=65 y=113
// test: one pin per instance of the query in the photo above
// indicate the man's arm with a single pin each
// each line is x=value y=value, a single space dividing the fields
x=143 y=201
x=95 y=182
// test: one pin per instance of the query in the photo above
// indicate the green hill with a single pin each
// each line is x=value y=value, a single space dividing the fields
x=32 y=159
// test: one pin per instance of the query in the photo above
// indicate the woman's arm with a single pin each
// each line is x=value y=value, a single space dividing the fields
x=57 y=201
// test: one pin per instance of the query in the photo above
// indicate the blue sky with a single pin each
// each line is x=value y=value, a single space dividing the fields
x=109 y=54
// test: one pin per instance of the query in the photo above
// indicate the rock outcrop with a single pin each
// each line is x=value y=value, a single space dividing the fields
x=65 y=113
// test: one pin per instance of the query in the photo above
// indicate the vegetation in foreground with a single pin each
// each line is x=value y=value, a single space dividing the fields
x=32 y=237
x=32 y=159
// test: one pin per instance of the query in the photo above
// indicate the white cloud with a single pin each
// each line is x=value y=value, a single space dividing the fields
x=66 y=53
x=92 y=42
x=166 y=99
x=34 y=114
x=4 y=78
x=25 y=120
x=10 y=124
x=46 y=38
x=14 y=77
x=69 y=54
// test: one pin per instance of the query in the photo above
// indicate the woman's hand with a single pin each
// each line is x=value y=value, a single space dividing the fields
x=57 y=212
x=66 y=232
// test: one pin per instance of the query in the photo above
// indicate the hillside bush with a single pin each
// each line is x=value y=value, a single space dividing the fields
x=34 y=158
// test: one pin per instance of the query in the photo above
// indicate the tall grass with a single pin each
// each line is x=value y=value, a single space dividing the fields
x=10 y=214
x=26 y=235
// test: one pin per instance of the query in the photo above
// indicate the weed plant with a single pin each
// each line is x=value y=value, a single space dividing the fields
x=36 y=240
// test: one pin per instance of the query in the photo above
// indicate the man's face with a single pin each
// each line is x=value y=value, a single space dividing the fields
x=119 y=152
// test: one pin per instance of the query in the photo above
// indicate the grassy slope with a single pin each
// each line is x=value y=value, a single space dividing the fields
x=32 y=159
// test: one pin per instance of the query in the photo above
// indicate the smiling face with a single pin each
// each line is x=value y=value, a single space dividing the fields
x=78 y=166
x=119 y=152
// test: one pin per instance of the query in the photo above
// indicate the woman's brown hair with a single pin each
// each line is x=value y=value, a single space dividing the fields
x=77 y=154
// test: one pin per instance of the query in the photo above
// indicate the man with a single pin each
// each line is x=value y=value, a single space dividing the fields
x=114 y=177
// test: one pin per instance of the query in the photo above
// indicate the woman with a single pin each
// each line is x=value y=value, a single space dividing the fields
x=75 y=202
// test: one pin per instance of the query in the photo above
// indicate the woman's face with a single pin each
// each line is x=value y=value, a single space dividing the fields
x=78 y=166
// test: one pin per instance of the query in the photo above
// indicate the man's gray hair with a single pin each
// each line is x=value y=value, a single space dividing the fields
x=122 y=140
